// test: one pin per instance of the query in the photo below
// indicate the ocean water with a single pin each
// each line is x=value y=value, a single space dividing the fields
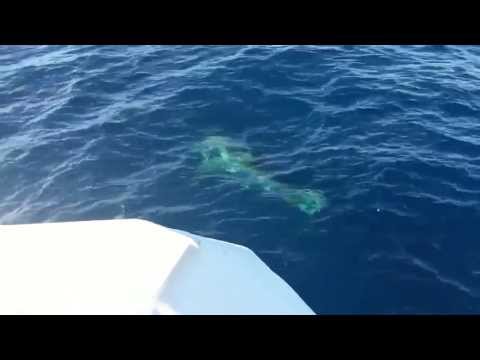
x=390 y=135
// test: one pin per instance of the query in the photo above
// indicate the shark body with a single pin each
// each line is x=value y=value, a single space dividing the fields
x=222 y=156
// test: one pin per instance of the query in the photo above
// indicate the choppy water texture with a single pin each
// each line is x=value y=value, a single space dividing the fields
x=390 y=135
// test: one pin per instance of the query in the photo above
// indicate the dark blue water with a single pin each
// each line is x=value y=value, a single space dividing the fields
x=391 y=134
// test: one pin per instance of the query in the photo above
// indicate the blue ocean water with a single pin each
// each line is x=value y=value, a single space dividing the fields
x=390 y=134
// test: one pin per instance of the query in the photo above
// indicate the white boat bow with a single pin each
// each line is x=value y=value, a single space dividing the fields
x=133 y=267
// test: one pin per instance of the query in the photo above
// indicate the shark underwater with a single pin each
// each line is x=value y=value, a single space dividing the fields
x=222 y=156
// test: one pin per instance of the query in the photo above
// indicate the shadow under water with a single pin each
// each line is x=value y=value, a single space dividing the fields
x=223 y=156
